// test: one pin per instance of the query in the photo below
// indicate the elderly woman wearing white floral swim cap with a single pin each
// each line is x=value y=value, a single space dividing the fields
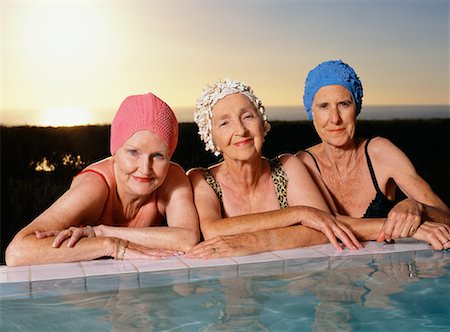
x=247 y=203
x=362 y=174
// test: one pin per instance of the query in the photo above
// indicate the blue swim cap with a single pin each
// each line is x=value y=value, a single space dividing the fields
x=333 y=72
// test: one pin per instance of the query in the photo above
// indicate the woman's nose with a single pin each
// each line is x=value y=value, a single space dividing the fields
x=240 y=129
x=145 y=165
x=335 y=116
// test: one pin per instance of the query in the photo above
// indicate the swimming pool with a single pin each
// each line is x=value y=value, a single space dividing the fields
x=402 y=287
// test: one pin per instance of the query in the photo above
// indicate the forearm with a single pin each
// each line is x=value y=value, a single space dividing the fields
x=253 y=222
x=29 y=250
x=289 y=237
x=173 y=238
x=366 y=229
x=435 y=214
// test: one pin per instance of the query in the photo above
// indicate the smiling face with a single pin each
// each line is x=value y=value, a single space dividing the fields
x=237 y=127
x=141 y=163
x=334 y=115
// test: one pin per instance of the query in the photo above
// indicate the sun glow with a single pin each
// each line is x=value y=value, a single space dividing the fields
x=65 y=116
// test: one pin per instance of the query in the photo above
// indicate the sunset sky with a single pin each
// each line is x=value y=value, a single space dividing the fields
x=80 y=59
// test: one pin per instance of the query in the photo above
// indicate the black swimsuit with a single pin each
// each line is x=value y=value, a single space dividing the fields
x=279 y=178
x=380 y=205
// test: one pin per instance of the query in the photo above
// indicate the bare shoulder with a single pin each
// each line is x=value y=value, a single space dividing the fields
x=382 y=148
x=175 y=176
x=292 y=164
x=197 y=172
x=306 y=157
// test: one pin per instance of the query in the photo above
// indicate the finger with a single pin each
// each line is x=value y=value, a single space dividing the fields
x=405 y=228
x=400 y=226
x=62 y=235
x=77 y=234
x=332 y=238
x=351 y=236
x=388 y=227
x=199 y=253
x=136 y=254
x=446 y=245
x=44 y=234
x=381 y=235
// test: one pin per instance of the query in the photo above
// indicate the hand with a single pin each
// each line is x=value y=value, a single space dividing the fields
x=225 y=246
x=436 y=234
x=129 y=250
x=403 y=220
x=333 y=229
x=73 y=233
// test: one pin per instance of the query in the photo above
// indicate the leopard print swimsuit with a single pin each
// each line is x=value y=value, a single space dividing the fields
x=277 y=172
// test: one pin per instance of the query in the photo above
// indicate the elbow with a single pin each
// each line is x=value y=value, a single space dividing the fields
x=13 y=256
x=190 y=240
x=208 y=233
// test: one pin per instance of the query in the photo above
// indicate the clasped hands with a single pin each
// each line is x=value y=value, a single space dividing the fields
x=73 y=233
x=120 y=248
x=405 y=220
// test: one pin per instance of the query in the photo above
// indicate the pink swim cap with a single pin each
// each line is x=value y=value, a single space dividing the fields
x=144 y=112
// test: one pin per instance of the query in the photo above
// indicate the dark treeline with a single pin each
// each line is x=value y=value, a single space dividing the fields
x=26 y=192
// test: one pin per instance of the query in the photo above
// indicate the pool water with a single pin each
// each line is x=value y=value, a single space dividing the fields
x=402 y=291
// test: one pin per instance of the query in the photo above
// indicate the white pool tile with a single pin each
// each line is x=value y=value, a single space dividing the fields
x=382 y=247
x=263 y=268
x=258 y=258
x=148 y=265
x=194 y=262
x=56 y=271
x=107 y=266
x=413 y=244
x=15 y=274
x=21 y=274
x=298 y=253
x=329 y=250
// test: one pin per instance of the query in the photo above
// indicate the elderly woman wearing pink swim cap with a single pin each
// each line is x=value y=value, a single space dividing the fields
x=118 y=206
x=358 y=176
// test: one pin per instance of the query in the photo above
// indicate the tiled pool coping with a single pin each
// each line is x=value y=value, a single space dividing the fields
x=45 y=272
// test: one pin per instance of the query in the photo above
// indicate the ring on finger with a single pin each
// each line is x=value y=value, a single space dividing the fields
x=412 y=231
x=68 y=232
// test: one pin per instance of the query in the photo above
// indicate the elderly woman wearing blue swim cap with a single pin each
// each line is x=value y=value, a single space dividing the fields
x=358 y=176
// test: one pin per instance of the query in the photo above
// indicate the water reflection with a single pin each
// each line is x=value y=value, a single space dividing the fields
x=367 y=293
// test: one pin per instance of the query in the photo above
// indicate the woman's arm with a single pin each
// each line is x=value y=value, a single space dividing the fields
x=212 y=224
x=422 y=203
x=82 y=203
x=175 y=200
x=257 y=242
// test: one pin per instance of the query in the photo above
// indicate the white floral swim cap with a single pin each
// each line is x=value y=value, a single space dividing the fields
x=210 y=96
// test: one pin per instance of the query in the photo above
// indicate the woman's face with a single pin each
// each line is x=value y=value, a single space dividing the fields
x=237 y=127
x=334 y=115
x=142 y=163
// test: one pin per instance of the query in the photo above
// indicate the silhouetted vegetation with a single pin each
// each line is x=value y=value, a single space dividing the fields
x=26 y=192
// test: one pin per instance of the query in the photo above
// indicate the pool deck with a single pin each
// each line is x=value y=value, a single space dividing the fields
x=108 y=267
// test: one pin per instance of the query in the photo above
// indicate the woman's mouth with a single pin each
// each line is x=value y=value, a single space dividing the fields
x=243 y=142
x=142 y=179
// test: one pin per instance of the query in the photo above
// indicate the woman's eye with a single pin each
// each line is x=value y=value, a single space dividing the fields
x=344 y=104
x=223 y=123
x=323 y=106
x=248 y=115
x=158 y=156
x=133 y=152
